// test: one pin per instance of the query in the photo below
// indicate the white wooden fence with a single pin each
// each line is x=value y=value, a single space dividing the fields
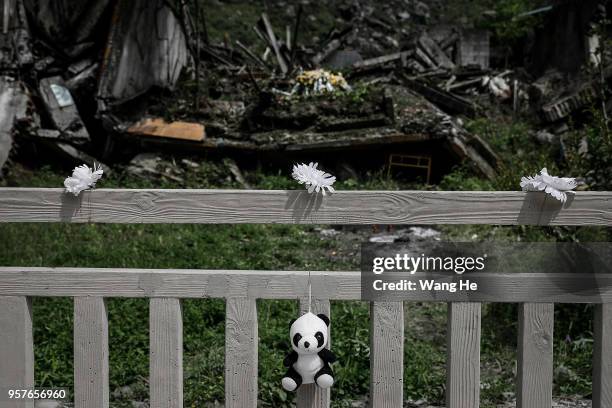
x=90 y=286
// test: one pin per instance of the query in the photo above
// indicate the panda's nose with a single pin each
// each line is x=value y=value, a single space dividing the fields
x=306 y=344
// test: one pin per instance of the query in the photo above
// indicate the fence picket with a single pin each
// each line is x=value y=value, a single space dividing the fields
x=309 y=395
x=241 y=340
x=535 y=355
x=386 y=354
x=165 y=353
x=463 y=355
x=90 y=353
x=602 y=357
x=16 y=347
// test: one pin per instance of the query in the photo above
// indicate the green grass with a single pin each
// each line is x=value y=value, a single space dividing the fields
x=267 y=247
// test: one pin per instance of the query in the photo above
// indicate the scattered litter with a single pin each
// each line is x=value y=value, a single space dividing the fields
x=384 y=238
x=424 y=233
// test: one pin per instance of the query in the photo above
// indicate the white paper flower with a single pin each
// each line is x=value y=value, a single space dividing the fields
x=555 y=186
x=83 y=177
x=313 y=178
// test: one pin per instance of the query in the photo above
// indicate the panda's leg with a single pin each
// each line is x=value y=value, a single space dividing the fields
x=292 y=380
x=324 y=377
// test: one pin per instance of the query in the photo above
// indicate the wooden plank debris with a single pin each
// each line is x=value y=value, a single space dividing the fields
x=157 y=127
x=563 y=107
x=435 y=52
x=272 y=42
x=383 y=60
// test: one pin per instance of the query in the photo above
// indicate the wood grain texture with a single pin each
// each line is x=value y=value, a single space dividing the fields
x=336 y=285
x=16 y=348
x=241 y=339
x=165 y=353
x=90 y=353
x=290 y=207
x=535 y=355
x=386 y=354
x=310 y=395
x=463 y=355
x=602 y=357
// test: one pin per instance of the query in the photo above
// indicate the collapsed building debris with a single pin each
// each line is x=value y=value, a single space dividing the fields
x=90 y=91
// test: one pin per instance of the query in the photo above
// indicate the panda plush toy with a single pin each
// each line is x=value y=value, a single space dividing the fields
x=309 y=361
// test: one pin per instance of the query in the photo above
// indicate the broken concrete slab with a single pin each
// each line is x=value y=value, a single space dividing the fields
x=146 y=48
x=62 y=110
x=474 y=48
x=13 y=107
x=158 y=128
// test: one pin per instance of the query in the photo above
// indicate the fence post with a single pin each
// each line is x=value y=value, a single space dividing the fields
x=90 y=353
x=602 y=356
x=463 y=355
x=241 y=341
x=386 y=354
x=165 y=353
x=535 y=355
x=16 y=347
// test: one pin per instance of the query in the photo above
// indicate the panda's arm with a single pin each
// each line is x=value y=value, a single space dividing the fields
x=327 y=355
x=290 y=359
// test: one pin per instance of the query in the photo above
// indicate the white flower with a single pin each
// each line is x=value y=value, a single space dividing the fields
x=555 y=186
x=313 y=178
x=83 y=178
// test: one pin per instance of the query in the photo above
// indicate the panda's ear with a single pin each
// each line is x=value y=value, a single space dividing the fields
x=324 y=318
x=291 y=322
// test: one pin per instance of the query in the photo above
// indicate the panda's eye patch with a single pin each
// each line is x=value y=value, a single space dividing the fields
x=320 y=339
x=296 y=339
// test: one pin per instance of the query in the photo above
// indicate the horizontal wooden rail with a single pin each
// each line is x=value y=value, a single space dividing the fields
x=299 y=207
x=186 y=283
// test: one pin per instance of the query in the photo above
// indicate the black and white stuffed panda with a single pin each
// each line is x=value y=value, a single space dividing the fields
x=309 y=361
